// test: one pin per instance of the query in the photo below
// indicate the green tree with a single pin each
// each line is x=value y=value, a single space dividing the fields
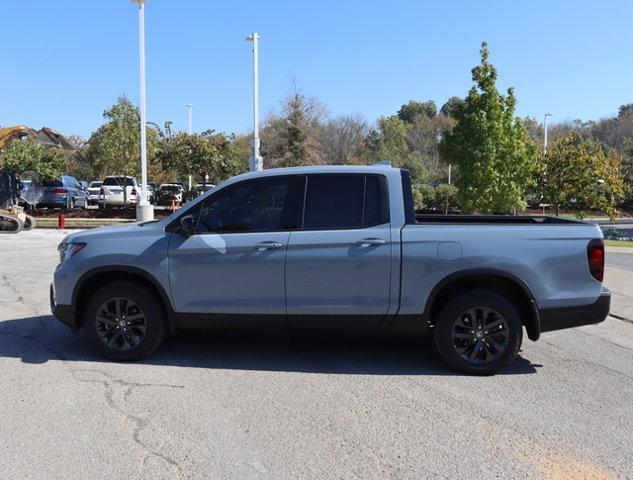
x=391 y=142
x=424 y=137
x=452 y=107
x=115 y=146
x=25 y=155
x=492 y=149
x=217 y=155
x=414 y=109
x=291 y=137
x=446 y=196
x=423 y=196
x=79 y=164
x=579 y=175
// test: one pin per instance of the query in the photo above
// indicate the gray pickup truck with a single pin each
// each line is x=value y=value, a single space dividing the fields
x=335 y=247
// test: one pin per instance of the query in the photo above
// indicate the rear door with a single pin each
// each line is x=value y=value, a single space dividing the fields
x=339 y=263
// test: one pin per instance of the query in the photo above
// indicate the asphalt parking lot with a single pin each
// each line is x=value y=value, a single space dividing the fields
x=220 y=406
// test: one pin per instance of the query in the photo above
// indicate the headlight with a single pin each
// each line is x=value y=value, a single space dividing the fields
x=68 y=249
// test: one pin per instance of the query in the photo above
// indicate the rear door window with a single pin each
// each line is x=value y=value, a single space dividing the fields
x=335 y=202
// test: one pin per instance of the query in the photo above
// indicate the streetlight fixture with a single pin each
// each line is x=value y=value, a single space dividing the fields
x=144 y=210
x=256 y=162
x=547 y=115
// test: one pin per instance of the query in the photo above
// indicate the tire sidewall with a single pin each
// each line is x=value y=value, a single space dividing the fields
x=459 y=304
x=154 y=317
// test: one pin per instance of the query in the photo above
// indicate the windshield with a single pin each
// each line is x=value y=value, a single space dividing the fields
x=52 y=183
x=170 y=188
x=120 y=181
x=95 y=184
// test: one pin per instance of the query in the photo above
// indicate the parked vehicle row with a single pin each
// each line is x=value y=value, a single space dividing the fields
x=112 y=191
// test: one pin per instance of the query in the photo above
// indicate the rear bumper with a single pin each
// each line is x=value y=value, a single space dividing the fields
x=63 y=313
x=116 y=200
x=570 y=317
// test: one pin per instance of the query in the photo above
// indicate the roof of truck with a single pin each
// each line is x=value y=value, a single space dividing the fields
x=315 y=169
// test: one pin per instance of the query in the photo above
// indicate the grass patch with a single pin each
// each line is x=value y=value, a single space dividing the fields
x=618 y=243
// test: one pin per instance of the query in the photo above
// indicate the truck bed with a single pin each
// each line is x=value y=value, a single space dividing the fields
x=493 y=219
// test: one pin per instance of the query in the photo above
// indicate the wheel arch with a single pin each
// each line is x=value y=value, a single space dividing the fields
x=94 y=279
x=510 y=285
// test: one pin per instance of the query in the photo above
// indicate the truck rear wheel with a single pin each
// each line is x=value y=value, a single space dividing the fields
x=124 y=321
x=478 y=332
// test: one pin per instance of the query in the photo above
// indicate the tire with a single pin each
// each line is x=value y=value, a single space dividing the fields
x=29 y=224
x=107 y=332
x=489 y=349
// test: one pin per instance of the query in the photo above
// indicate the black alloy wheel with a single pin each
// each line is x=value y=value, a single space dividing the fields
x=120 y=323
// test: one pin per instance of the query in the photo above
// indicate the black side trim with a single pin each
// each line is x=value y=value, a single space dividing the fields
x=407 y=194
x=339 y=323
x=63 y=313
x=570 y=317
x=532 y=325
x=230 y=321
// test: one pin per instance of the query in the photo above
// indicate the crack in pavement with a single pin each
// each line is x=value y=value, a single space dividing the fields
x=10 y=286
x=109 y=382
x=139 y=422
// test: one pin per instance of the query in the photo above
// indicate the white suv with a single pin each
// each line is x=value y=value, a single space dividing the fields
x=118 y=191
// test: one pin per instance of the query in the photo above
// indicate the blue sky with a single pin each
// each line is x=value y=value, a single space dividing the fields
x=64 y=62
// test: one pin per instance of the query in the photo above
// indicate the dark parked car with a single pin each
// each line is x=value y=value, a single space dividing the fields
x=63 y=193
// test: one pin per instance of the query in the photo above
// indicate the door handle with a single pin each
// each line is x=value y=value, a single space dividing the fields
x=367 y=242
x=263 y=246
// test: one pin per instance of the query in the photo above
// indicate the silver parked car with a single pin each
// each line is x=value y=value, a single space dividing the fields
x=334 y=247
x=93 y=192
x=118 y=191
x=63 y=193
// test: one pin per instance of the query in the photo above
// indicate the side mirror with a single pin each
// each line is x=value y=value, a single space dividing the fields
x=188 y=225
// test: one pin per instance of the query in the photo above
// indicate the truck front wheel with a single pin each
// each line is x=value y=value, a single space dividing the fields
x=478 y=332
x=124 y=321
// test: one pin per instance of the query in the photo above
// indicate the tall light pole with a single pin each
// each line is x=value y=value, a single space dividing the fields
x=189 y=128
x=144 y=211
x=547 y=115
x=189 y=119
x=256 y=162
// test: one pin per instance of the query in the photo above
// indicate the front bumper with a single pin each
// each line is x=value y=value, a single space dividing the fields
x=63 y=313
x=570 y=317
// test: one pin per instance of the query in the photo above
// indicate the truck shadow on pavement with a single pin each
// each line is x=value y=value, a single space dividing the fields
x=37 y=340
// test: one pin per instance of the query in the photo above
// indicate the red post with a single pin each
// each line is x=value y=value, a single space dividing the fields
x=61 y=221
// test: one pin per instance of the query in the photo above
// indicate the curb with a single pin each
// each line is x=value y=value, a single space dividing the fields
x=74 y=223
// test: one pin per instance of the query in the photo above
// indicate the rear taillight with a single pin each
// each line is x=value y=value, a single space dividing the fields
x=595 y=257
x=59 y=190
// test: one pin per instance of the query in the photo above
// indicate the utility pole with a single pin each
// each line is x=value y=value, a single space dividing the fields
x=256 y=162
x=144 y=211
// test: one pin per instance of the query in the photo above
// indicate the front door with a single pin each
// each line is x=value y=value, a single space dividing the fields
x=338 y=266
x=234 y=265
